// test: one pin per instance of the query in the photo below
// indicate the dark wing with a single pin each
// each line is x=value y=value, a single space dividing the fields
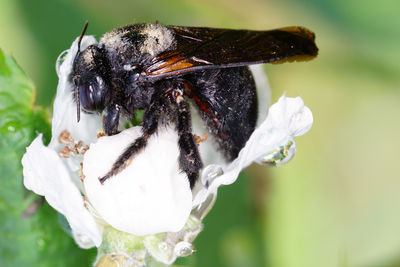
x=201 y=48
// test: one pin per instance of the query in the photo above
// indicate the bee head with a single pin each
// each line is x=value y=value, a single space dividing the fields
x=90 y=79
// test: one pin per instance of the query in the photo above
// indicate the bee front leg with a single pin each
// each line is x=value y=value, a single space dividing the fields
x=150 y=125
x=111 y=121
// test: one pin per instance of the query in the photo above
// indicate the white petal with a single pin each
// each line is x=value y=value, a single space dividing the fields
x=64 y=112
x=151 y=195
x=263 y=91
x=292 y=115
x=46 y=175
x=286 y=118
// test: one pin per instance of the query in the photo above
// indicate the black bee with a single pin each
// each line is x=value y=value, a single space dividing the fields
x=161 y=69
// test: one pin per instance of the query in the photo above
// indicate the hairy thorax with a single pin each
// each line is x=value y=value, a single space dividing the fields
x=127 y=49
x=131 y=45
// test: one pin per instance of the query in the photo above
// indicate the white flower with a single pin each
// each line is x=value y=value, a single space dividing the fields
x=151 y=198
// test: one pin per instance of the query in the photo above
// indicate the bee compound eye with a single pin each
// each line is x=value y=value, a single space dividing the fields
x=86 y=98
x=93 y=94
x=99 y=91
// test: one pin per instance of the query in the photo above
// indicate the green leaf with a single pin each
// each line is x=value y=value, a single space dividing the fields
x=30 y=230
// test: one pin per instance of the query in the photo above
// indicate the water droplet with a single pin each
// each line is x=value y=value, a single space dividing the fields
x=280 y=155
x=183 y=249
x=60 y=60
x=210 y=173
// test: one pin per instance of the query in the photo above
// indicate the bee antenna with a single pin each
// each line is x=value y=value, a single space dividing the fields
x=81 y=36
x=77 y=100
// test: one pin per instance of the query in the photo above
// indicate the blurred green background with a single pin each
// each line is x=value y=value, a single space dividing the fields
x=337 y=203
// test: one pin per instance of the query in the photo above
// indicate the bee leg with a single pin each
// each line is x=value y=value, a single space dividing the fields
x=189 y=158
x=150 y=125
x=111 y=121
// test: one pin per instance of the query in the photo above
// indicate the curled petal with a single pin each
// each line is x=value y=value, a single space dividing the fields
x=46 y=175
x=65 y=112
x=287 y=118
x=291 y=115
x=149 y=196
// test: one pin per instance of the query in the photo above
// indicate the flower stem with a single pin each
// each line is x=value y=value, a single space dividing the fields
x=117 y=260
x=120 y=249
